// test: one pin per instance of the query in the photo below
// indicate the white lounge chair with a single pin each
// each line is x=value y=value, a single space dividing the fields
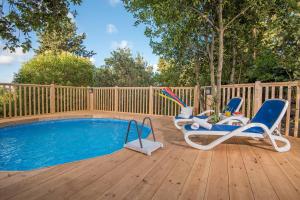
x=263 y=125
x=233 y=105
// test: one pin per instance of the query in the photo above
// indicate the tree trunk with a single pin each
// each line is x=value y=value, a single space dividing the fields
x=197 y=70
x=221 y=55
x=210 y=50
x=254 y=35
x=197 y=74
x=240 y=74
x=233 y=64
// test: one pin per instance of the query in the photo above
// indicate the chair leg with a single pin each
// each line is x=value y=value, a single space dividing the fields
x=177 y=125
x=284 y=148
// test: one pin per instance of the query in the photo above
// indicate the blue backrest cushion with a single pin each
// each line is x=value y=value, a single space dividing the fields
x=269 y=112
x=233 y=104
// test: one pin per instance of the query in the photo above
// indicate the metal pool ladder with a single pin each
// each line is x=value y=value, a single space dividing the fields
x=142 y=145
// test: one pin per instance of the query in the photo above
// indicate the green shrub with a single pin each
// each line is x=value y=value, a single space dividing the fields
x=59 y=68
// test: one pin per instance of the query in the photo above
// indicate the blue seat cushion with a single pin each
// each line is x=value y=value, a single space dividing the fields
x=233 y=104
x=225 y=128
x=191 y=117
x=269 y=112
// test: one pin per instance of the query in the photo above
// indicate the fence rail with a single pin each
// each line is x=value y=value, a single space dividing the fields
x=17 y=100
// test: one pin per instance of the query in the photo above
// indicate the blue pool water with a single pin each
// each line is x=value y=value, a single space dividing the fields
x=47 y=143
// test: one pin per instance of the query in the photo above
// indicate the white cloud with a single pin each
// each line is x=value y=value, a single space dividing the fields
x=114 y=2
x=155 y=67
x=8 y=58
x=93 y=60
x=71 y=16
x=111 y=28
x=122 y=44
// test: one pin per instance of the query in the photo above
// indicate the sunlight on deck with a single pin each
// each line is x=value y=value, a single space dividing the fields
x=238 y=169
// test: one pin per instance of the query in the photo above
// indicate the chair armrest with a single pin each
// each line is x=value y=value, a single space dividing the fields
x=242 y=119
x=251 y=125
x=205 y=112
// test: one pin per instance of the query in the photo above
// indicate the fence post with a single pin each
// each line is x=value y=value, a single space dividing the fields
x=196 y=99
x=209 y=102
x=257 y=96
x=151 y=100
x=91 y=99
x=116 y=99
x=52 y=98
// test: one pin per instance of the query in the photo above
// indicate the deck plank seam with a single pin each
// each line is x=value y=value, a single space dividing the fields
x=243 y=159
x=156 y=163
x=263 y=169
x=164 y=176
x=109 y=171
x=209 y=173
x=284 y=172
x=184 y=182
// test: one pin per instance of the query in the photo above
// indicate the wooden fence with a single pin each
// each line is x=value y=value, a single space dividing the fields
x=17 y=100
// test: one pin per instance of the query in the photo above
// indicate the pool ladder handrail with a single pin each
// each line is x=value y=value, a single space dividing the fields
x=139 y=132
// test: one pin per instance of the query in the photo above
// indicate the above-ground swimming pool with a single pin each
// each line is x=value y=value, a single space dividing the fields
x=47 y=143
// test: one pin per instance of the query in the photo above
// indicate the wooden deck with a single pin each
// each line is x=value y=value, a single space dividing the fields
x=239 y=169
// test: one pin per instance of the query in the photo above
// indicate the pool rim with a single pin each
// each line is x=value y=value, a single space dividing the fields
x=72 y=115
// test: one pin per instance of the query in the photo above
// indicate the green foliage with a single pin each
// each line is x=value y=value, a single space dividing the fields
x=265 y=35
x=60 y=68
x=104 y=77
x=5 y=97
x=122 y=69
x=63 y=38
x=267 y=68
x=214 y=117
x=21 y=17
x=171 y=74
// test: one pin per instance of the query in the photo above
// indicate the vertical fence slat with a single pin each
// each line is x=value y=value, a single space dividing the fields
x=280 y=97
x=39 y=100
x=297 y=110
x=249 y=102
x=47 y=100
x=15 y=102
x=273 y=92
x=9 y=102
x=267 y=93
x=43 y=100
x=4 y=103
x=34 y=100
x=20 y=101
x=288 y=113
x=25 y=101
x=244 y=101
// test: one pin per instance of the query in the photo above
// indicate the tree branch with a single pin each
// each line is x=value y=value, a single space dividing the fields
x=237 y=16
x=205 y=17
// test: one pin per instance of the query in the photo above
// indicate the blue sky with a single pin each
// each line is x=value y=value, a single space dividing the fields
x=107 y=25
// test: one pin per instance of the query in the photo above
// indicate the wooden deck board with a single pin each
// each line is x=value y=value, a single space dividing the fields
x=217 y=185
x=238 y=169
x=171 y=187
x=152 y=181
x=239 y=185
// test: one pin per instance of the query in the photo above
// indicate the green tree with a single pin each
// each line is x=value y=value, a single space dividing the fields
x=218 y=34
x=63 y=38
x=171 y=74
x=104 y=77
x=282 y=37
x=122 y=69
x=63 y=69
x=18 y=18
